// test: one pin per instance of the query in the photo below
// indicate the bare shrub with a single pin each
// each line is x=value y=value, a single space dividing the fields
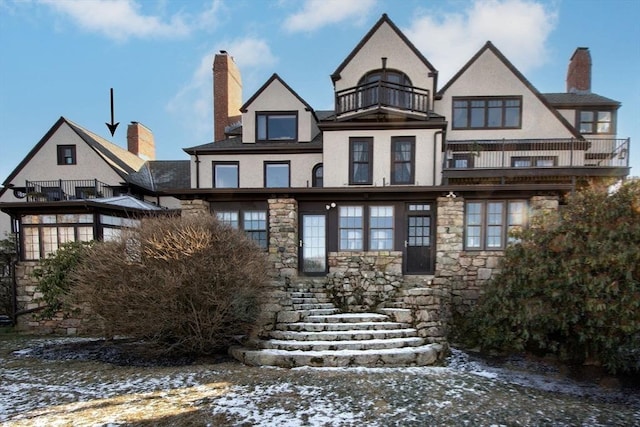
x=191 y=284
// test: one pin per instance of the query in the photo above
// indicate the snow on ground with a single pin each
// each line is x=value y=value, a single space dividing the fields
x=467 y=391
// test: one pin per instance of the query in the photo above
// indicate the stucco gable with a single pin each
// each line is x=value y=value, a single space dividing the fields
x=275 y=84
x=490 y=73
x=387 y=30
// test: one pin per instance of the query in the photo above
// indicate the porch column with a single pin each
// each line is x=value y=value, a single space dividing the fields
x=283 y=236
x=195 y=207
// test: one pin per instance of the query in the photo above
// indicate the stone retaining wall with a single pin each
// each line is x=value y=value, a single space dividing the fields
x=363 y=281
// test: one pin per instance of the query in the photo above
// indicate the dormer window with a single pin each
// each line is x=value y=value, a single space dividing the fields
x=594 y=122
x=277 y=126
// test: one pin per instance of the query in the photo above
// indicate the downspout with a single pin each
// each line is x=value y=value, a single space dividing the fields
x=197 y=169
x=12 y=271
x=435 y=153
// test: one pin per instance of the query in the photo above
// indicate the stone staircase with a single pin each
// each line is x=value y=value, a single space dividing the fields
x=315 y=333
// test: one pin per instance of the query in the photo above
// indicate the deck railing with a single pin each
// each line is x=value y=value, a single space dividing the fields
x=62 y=189
x=536 y=153
x=382 y=94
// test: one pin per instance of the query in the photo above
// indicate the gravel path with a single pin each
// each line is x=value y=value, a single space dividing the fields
x=37 y=391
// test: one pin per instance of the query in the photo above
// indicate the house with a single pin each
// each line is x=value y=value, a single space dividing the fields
x=378 y=175
x=403 y=194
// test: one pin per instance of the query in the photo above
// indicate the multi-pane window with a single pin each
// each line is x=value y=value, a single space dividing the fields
x=351 y=228
x=276 y=174
x=226 y=174
x=254 y=223
x=66 y=154
x=402 y=160
x=596 y=122
x=487 y=223
x=229 y=218
x=381 y=228
x=487 y=113
x=277 y=126
x=531 y=161
x=43 y=234
x=360 y=161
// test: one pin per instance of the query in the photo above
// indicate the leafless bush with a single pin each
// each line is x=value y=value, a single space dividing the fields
x=191 y=284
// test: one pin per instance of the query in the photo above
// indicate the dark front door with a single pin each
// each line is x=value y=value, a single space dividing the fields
x=313 y=244
x=419 y=253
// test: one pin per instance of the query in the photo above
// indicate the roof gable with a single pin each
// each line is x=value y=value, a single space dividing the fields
x=490 y=48
x=274 y=79
x=120 y=160
x=384 y=19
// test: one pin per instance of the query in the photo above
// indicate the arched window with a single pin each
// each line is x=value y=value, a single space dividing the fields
x=317 y=176
x=386 y=87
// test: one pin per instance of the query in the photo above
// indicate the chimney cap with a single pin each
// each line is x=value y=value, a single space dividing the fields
x=223 y=52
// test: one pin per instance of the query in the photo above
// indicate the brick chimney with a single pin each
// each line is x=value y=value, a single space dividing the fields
x=227 y=94
x=579 y=72
x=140 y=141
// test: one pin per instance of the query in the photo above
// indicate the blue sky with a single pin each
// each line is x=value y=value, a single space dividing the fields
x=61 y=57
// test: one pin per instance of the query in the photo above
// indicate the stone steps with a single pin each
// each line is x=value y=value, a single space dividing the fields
x=406 y=356
x=315 y=333
x=348 y=335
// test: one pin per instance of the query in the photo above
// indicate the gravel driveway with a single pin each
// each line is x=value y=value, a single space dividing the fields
x=37 y=391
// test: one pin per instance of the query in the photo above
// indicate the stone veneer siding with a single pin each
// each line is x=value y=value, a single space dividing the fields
x=283 y=236
x=466 y=272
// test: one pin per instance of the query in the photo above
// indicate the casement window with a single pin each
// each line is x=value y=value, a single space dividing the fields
x=487 y=113
x=360 y=161
x=277 y=126
x=534 y=161
x=43 y=234
x=595 y=122
x=226 y=174
x=403 y=158
x=254 y=224
x=66 y=154
x=488 y=223
x=277 y=174
x=379 y=228
x=317 y=178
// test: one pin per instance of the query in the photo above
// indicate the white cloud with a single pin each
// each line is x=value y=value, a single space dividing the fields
x=194 y=101
x=518 y=28
x=123 y=19
x=318 y=13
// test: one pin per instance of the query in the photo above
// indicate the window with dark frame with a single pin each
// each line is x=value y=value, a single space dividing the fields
x=369 y=229
x=360 y=161
x=534 y=161
x=277 y=174
x=461 y=161
x=67 y=154
x=254 y=223
x=596 y=122
x=403 y=160
x=317 y=178
x=488 y=223
x=487 y=113
x=226 y=174
x=277 y=126
x=380 y=228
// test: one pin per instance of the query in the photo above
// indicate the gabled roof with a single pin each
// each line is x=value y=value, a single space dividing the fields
x=268 y=83
x=120 y=160
x=383 y=19
x=162 y=175
x=489 y=46
x=569 y=100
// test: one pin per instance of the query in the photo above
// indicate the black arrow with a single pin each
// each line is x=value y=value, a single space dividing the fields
x=113 y=126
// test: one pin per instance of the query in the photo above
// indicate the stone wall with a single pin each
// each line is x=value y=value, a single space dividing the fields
x=194 y=207
x=27 y=297
x=283 y=236
x=363 y=281
x=464 y=273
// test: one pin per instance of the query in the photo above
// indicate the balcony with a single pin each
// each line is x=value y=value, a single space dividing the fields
x=535 y=158
x=381 y=94
x=57 y=190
